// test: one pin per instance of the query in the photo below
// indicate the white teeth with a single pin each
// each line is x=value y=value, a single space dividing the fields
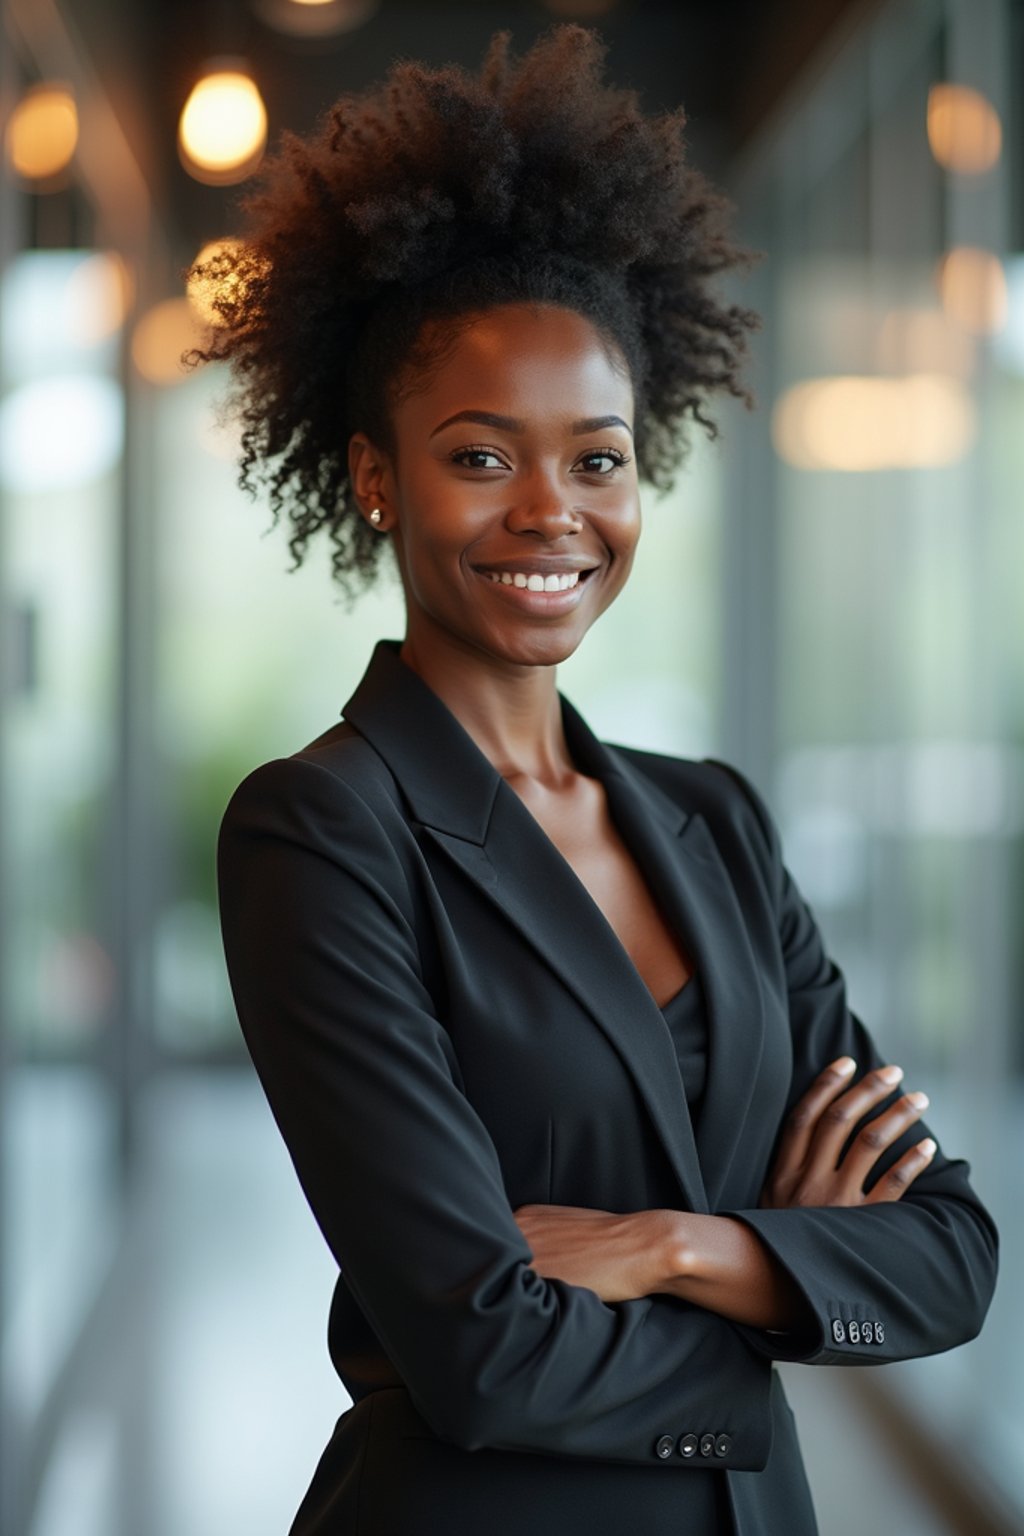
x=535 y=582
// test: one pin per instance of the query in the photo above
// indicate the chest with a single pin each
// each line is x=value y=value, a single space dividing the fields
x=554 y=1034
x=578 y=821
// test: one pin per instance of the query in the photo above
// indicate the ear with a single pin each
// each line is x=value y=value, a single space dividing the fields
x=368 y=468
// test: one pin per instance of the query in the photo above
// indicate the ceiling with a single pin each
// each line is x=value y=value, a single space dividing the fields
x=726 y=61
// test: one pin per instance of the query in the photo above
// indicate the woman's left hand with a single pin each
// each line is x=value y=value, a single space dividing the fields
x=621 y=1256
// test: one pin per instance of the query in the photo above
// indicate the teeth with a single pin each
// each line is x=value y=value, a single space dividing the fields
x=533 y=581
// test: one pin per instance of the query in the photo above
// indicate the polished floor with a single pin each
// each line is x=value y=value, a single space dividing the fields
x=206 y=1392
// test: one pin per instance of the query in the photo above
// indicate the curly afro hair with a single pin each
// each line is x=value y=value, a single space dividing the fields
x=432 y=197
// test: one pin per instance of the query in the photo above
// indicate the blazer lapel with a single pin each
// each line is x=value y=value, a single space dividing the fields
x=678 y=854
x=520 y=869
x=482 y=825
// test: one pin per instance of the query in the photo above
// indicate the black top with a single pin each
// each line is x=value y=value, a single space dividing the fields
x=686 y=1016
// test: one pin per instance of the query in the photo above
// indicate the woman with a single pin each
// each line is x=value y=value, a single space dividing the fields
x=567 y=1077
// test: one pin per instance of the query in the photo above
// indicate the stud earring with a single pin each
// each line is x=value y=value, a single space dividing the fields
x=375 y=516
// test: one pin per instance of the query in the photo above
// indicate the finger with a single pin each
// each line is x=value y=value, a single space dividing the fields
x=839 y=1118
x=895 y=1183
x=873 y=1139
x=802 y=1120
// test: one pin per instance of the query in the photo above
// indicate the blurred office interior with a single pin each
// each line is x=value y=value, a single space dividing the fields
x=830 y=597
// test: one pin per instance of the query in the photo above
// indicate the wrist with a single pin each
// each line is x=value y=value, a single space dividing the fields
x=680 y=1260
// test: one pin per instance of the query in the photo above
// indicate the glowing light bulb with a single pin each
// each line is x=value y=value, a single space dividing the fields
x=223 y=127
x=316 y=18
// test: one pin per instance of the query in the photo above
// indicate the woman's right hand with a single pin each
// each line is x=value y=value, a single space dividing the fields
x=807 y=1170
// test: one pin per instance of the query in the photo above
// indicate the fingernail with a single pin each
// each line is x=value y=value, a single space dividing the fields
x=890 y=1074
x=844 y=1066
x=919 y=1100
x=928 y=1147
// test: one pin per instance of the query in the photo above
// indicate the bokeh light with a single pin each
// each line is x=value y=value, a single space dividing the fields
x=161 y=336
x=855 y=423
x=205 y=289
x=60 y=432
x=100 y=294
x=972 y=284
x=964 y=129
x=42 y=132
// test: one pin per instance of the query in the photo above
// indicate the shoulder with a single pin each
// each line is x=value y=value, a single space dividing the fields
x=708 y=785
x=735 y=811
x=335 y=784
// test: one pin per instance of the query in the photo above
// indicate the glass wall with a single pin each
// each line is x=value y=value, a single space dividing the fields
x=61 y=435
x=71 y=1011
x=884 y=475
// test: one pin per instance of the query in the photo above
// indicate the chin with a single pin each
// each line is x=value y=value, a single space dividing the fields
x=535 y=650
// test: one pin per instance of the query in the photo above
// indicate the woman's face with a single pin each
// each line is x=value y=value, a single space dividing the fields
x=514 y=470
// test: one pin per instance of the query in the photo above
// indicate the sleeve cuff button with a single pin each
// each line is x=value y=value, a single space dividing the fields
x=663 y=1446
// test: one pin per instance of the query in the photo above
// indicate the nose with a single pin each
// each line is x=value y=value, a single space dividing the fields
x=543 y=508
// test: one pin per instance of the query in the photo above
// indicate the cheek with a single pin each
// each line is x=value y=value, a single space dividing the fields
x=622 y=531
x=430 y=549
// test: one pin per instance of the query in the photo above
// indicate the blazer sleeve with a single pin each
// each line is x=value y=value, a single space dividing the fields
x=883 y=1282
x=319 y=924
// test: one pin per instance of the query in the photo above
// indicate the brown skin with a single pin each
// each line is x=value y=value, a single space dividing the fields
x=547 y=490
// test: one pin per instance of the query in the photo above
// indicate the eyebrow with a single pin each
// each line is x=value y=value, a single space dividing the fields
x=513 y=424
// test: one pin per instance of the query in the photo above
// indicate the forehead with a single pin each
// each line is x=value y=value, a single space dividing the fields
x=530 y=361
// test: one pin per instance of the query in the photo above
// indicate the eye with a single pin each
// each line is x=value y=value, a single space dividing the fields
x=612 y=458
x=471 y=458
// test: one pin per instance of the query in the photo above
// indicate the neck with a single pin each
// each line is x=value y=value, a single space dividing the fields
x=512 y=712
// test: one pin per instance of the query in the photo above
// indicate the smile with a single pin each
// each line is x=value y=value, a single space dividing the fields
x=533 y=581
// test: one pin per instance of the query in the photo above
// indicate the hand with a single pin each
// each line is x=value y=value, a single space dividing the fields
x=805 y=1170
x=620 y=1256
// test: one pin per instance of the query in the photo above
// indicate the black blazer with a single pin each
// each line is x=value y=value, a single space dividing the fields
x=446 y=1027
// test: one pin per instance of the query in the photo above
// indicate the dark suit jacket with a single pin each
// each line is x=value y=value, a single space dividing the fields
x=446 y=1027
